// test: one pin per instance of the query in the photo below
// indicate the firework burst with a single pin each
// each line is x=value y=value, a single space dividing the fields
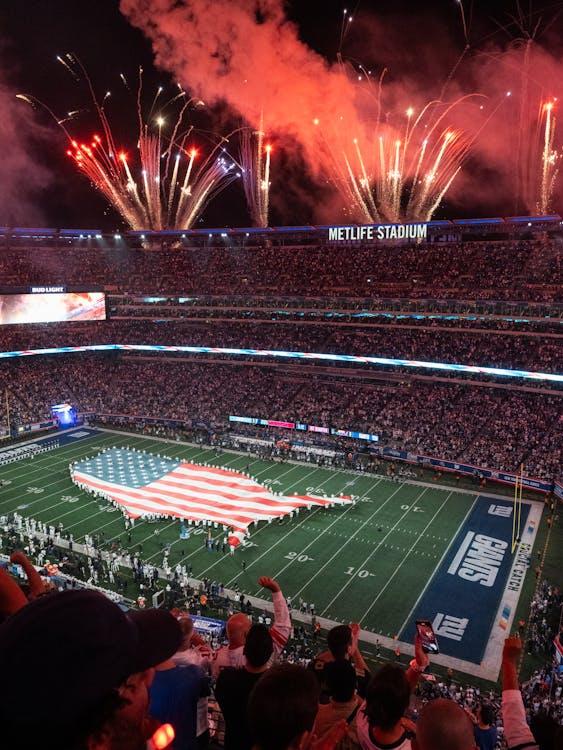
x=550 y=158
x=163 y=185
x=255 y=161
x=400 y=173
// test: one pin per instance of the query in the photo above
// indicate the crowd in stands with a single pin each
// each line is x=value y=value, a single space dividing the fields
x=536 y=352
x=523 y=317
x=80 y=673
x=542 y=625
x=146 y=678
x=483 y=426
x=529 y=270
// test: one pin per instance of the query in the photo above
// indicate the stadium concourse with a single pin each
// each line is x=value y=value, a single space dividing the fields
x=426 y=455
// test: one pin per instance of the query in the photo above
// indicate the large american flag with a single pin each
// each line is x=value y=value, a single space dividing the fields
x=143 y=483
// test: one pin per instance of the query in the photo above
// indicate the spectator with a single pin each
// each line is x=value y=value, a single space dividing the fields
x=444 y=725
x=282 y=708
x=234 y=686
x=342 y=642
x=380 y=721
x=76 y=671
x=344 y=702
x=486 y=734
x=195 y=650
x=238 y=626
x=174 y=696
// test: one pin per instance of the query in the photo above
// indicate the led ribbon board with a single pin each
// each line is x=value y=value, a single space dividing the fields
x=496 y=372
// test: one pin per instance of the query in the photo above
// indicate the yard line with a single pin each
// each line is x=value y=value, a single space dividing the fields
x=437 y=568
x=320 y=570
x=373 y=486
x=417 y=540
x=309 y=516
x=374 y=550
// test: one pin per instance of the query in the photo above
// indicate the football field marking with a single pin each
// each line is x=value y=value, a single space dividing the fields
x=294 y=528
x=405 y=558
x=364 y=523
x=374 y=550
x=437 y=568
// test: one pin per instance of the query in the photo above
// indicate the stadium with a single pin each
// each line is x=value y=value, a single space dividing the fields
x=281 y=440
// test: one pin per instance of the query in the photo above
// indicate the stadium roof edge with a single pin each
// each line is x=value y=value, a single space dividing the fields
x=436 y=224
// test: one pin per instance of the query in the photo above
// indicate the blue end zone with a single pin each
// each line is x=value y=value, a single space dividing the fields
x=63 y=438
x=463 y=597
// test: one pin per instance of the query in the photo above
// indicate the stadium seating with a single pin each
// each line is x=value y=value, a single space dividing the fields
x=502 y=717
x=497 y=304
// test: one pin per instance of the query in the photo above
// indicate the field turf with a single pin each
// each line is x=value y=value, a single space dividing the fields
x=367 y=563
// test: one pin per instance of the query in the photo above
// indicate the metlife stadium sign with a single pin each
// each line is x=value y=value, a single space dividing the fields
x=378 y=232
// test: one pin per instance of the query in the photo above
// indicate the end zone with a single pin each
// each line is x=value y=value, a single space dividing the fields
x=473 y=594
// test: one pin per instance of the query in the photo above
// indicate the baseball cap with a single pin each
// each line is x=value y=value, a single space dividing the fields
x=75 y=647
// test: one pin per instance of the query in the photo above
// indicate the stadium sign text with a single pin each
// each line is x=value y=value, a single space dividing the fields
x=47 y=289
x=378 y=232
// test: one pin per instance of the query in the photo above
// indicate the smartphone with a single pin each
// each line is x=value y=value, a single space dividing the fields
x=427 y=636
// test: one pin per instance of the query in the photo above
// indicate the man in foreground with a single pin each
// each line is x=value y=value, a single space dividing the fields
x=76 y=672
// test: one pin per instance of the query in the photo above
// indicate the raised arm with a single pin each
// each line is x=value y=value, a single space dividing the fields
x=418 y=664
x=356 y=655
x=516 y=729
x=36 y=585
x=281 y=629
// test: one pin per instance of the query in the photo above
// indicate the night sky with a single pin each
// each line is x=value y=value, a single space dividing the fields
x=35 y=31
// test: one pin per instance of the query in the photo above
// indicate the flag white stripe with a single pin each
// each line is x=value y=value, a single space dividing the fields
x=211 y=495
x=259 y=492
x=185 y=500
x=128 y=500
x=209 y=473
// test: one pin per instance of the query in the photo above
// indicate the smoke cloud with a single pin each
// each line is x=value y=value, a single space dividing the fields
x=22 y=178
x=246 y=53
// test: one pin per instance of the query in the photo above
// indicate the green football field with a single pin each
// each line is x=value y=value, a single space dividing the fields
x=367 y=563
